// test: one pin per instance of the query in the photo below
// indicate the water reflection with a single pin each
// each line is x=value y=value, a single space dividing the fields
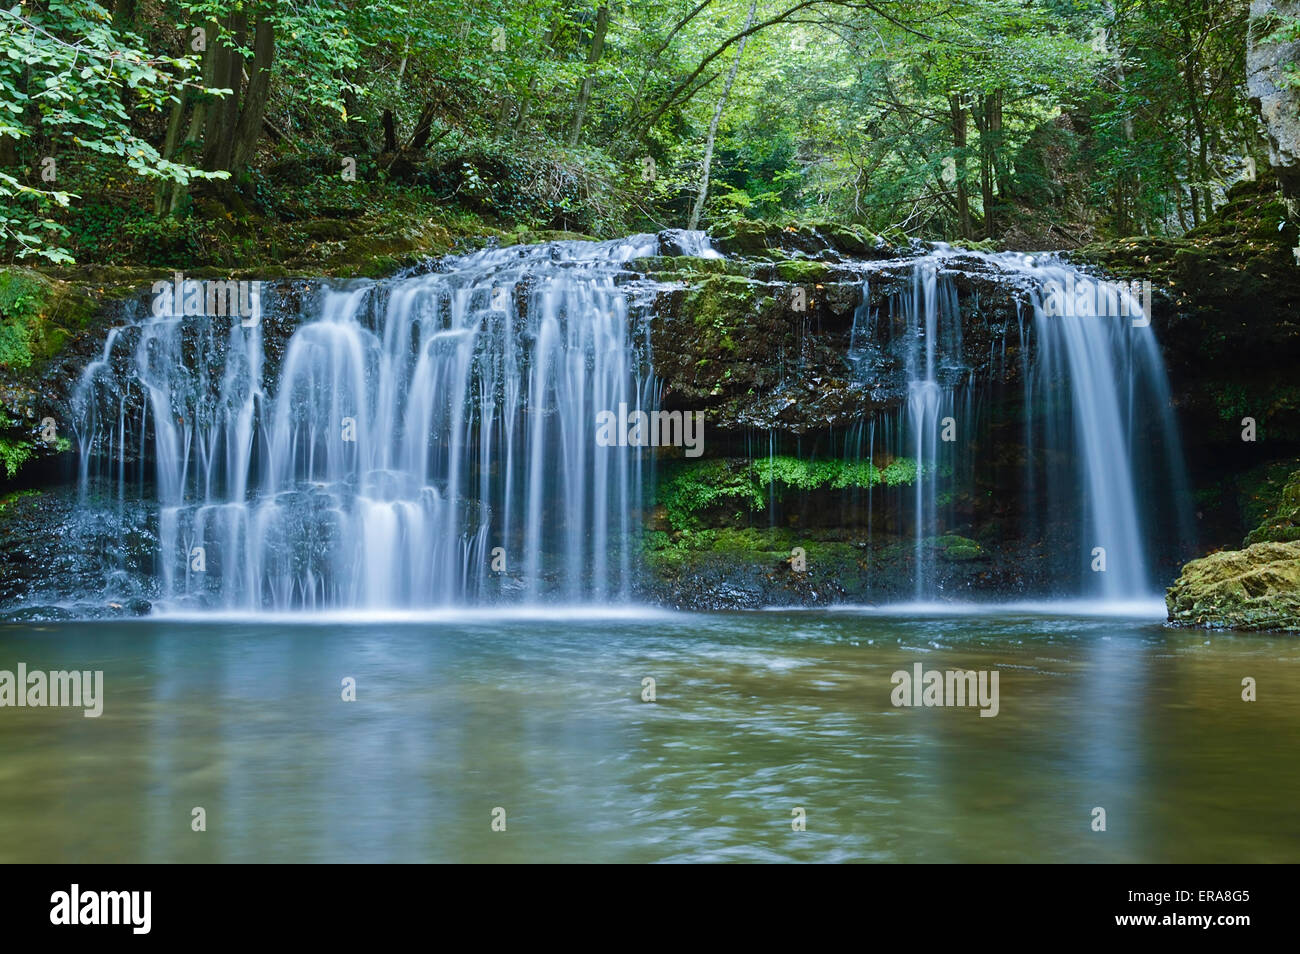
x=756 y=714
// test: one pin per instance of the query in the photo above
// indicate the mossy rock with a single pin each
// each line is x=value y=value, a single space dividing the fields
x=746 y=238
x=1257 y=588
x=327 y=230
x=37 y=317
x=956 y=549
x=984 y=245
x=551 y=235
x=802 y=271
x=685 y=268
x=852 y=241
x=1284 y=524
x=719 y=305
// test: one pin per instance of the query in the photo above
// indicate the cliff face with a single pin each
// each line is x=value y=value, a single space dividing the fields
x=764 y=339
x=1272 y=86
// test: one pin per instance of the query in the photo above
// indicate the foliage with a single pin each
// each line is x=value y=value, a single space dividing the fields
x=982 y=120
x=688 y=489
x=13 y=454
x=69 y=78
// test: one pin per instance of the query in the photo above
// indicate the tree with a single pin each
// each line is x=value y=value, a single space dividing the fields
x=70 y=79
x=713 y=124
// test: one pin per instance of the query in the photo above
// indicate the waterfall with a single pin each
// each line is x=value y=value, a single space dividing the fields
x=1101 y=445
x=429 y=439
x=420 y=441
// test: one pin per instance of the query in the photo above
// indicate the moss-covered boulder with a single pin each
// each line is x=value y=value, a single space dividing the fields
x=37 y=316
x=1254 y=588
x=958 y=549
x=803 y=271
x=1257 y=588
x=775 y=240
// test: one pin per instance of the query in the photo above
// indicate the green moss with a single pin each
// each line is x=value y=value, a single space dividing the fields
x=10 y=499
x=1283 y=524
x=1253 y=589
x=850 y=240
x=813 y=474
x=957 y=549
x=746 y=237
x=900 y=470
x=688 y=268
x=37 y=316
x=718 y=305
x=985 y=245
x=688 y=489
x=803 y=271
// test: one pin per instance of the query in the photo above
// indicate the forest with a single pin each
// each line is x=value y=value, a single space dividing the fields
x=165 y=133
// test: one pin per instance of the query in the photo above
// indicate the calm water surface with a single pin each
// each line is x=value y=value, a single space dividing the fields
x=756 y=714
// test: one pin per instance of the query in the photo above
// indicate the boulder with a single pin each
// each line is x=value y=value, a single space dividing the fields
x=1257 y=588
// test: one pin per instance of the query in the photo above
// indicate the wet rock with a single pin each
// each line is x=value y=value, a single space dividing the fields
x=1257 y=587
x=1227 y=313
x=59 y=555
x=757 y=343
x=678 y=242
x=804 y=271
x=823 y=241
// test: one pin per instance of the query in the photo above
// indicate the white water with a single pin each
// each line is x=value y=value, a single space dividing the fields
x=1098 y=419
x=413 y=427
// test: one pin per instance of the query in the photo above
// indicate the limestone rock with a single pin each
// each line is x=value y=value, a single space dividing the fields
x=1277 y=101
x=1257 y=588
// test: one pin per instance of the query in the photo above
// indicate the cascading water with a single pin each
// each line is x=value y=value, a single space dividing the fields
x=429 y=440
x=1100 y=440
x=423 y=440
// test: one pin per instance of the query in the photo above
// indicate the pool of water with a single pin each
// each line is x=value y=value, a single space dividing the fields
x=755 y=715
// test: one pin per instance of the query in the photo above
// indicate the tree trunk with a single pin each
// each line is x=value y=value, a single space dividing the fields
x=1127 y=186
x=124 y=14
x=423 y=127
x=713 y=125
x=174 y=124
x=959 y=139
x=223 y=115
x=526 y=103
x=593 y=56
x=198 y=119
x=249 y=127
x=988 y=120
x=390 y=132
